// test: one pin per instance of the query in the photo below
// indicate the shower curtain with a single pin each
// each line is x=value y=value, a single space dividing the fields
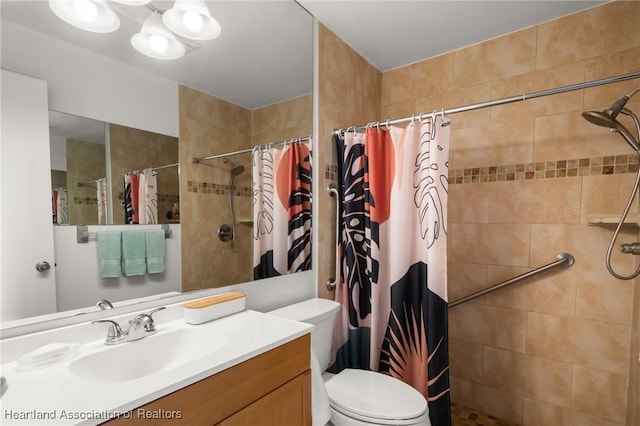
x=281 y=191
x=392 y=287
x=101 y=190
x=141 y=197
x=60 y=206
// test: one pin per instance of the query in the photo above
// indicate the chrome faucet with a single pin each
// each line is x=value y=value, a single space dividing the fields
x=141 y=326
x=104 y=304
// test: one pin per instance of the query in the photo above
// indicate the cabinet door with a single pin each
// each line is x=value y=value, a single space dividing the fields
x=289 y=405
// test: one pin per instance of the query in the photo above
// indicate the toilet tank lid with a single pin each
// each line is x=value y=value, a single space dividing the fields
x=311 y=310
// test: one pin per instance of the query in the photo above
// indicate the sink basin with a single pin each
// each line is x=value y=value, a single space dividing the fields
x=140 y=358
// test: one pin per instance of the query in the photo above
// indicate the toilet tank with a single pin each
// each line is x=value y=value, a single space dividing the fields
x=322 y=314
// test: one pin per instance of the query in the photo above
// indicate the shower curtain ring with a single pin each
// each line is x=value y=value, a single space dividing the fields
x=434 y=115
x=386 y=124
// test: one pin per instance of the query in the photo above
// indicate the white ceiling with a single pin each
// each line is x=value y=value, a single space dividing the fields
x=390 y=34
x=264 y=54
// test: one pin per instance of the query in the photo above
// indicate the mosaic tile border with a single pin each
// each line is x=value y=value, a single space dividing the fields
x=331 y=172
x=162 y=198
x=217 y=188
x=608 y=165
x=85 y=200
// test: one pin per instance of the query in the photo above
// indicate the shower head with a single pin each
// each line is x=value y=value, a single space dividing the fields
x=607 y=118
x=236 y=170
x=601 y=118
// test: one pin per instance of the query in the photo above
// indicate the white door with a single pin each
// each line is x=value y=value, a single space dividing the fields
x=26 y=230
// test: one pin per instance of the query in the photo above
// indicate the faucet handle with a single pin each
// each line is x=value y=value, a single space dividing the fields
x=146 y=320
x=114 y=333
x=153 y=311
x=104 y=304
x=152 y=325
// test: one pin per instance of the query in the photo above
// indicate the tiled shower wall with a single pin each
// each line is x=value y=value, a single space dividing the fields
x=562 y=348
x=135 y=149
x=210 y=126
x=349 y=94
x=85 y=162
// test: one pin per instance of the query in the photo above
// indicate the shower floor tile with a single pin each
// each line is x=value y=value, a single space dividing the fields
x=463 y=416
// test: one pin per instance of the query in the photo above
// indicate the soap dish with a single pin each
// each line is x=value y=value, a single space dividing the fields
x=47 y=355
x=210 y=308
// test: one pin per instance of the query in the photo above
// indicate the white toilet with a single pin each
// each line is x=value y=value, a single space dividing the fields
x=352 y=397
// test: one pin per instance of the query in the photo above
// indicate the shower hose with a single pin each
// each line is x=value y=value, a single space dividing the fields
x=633 y=194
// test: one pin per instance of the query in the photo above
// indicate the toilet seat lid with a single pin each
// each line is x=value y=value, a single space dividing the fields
x=370 y=395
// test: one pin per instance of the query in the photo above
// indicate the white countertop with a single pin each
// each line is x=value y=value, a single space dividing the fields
x=55 y=396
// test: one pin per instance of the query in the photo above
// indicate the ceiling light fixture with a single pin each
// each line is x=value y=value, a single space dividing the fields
x=191 y=19
x=133 y=2
x=156 y=41
x=88 y=15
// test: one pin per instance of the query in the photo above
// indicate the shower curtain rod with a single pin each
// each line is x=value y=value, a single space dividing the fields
x=153 y=169
x=89 y=182
x=496 y=102
x=196 y=160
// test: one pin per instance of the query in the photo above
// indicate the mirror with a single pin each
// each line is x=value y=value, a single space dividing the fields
x=228 y=78
x=78 y=161
x=79 y=158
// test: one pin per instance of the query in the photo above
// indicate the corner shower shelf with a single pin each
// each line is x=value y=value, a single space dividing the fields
x=613 y=220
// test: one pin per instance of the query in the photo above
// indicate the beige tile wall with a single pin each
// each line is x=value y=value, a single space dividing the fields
x=85 y=162
x=210 y=126
x=524 y=179
x=135 y=149
x=562 y=348
x=349 y=95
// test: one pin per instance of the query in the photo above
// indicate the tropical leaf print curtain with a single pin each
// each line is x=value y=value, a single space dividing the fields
x=281 y=209
x=392 y=287
x=101 y=192
x=141 y=197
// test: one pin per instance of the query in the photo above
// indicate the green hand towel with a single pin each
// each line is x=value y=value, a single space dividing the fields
x=133 y=253
x=109 y=254
x=155 y=251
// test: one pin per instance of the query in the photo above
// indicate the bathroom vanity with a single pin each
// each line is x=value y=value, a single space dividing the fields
x=245 y=368
x=272 y=389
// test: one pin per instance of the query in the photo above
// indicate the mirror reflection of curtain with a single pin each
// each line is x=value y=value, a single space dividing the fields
x=141 y=197
x=281 y=209
x=101 y=185
x=392 y=247
x=60 y=206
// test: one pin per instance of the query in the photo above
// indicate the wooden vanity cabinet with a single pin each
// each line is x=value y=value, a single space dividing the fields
x=271 y=389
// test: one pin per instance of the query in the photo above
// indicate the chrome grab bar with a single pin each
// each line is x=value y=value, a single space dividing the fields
x=333 y=191
x=563 y=259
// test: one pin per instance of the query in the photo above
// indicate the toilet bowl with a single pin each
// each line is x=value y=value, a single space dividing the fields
x=352 y=397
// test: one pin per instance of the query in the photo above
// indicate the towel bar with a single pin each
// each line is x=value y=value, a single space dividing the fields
x=84 y=234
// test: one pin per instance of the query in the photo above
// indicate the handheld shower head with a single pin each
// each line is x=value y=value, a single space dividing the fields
x=607 y=118
x=236 y=170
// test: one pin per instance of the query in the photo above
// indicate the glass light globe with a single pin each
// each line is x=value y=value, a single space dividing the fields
x=192 y=21
x=158 y=43
x=85 y=10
